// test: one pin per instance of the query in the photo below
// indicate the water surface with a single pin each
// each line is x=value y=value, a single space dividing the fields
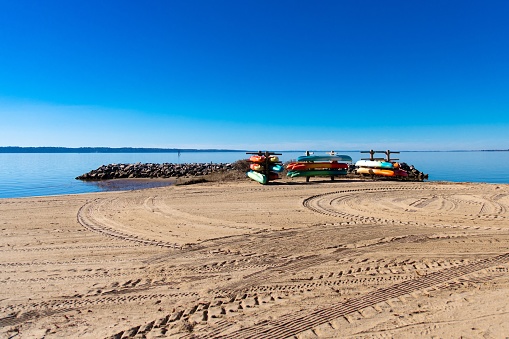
x=41 y=174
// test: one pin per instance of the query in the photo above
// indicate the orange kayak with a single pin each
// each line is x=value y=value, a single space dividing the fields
x=375 y=171
x=256 y=167
x=382 y=172
x=257 y=158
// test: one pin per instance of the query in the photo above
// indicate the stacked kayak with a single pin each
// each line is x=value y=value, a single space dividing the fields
x=264 y=168
x=379 y=168
x=319 y=165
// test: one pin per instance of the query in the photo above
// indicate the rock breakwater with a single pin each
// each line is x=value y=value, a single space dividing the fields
x=166 y=170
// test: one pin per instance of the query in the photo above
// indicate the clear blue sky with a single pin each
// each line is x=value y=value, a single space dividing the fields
x=342 y=75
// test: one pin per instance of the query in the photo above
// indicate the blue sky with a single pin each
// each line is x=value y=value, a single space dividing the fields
x=282 y=75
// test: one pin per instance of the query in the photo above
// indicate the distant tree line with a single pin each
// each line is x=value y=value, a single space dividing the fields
x=17 y=149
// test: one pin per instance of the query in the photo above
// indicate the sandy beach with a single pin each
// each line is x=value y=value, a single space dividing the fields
x=342 y=259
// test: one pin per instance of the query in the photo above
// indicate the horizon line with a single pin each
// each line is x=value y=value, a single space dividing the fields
x=105 y=149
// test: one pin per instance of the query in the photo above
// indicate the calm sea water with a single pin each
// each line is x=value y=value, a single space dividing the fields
x=41 y=174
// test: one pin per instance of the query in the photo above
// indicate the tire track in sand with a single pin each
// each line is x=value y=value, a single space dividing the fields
x=348 y=205
x=90 y=218
x=291 y=325
x=294 y=324
x=155 y=205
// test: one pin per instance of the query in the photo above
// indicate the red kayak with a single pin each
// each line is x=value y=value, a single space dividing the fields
x=304 y=166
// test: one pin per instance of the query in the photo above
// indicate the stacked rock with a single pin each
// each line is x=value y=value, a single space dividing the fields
x=166 y=170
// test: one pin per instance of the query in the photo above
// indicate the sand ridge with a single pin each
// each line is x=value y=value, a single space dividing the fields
x=241 y=260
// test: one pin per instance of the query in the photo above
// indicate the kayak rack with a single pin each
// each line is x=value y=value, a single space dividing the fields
x=266 y=163
x=386 y=158
x=310 y=153
x=411 y=173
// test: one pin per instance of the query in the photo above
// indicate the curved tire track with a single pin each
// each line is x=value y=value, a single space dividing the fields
x=86 y=217
x=343 y=203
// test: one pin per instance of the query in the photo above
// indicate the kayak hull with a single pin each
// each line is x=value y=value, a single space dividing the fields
x=317 y=173
x=262 y=178
x=298 y=166
x=374 y=164
x=257 y=159
x=400 y=173
x=256 y=167
x=260 y=168
x=277 y=168
x=258 y=177
x=382 y=172
x=338 y=158
x=375 y=171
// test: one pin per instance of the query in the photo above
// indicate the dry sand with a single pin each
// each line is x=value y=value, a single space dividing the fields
x=341 y=259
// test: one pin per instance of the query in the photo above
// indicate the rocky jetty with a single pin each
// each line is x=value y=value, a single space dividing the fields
x=166 y=170
x=413 y=173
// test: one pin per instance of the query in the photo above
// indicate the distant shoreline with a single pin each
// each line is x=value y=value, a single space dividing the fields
x=18 y=149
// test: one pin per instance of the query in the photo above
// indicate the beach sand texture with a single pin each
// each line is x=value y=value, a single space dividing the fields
x=343 y=259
